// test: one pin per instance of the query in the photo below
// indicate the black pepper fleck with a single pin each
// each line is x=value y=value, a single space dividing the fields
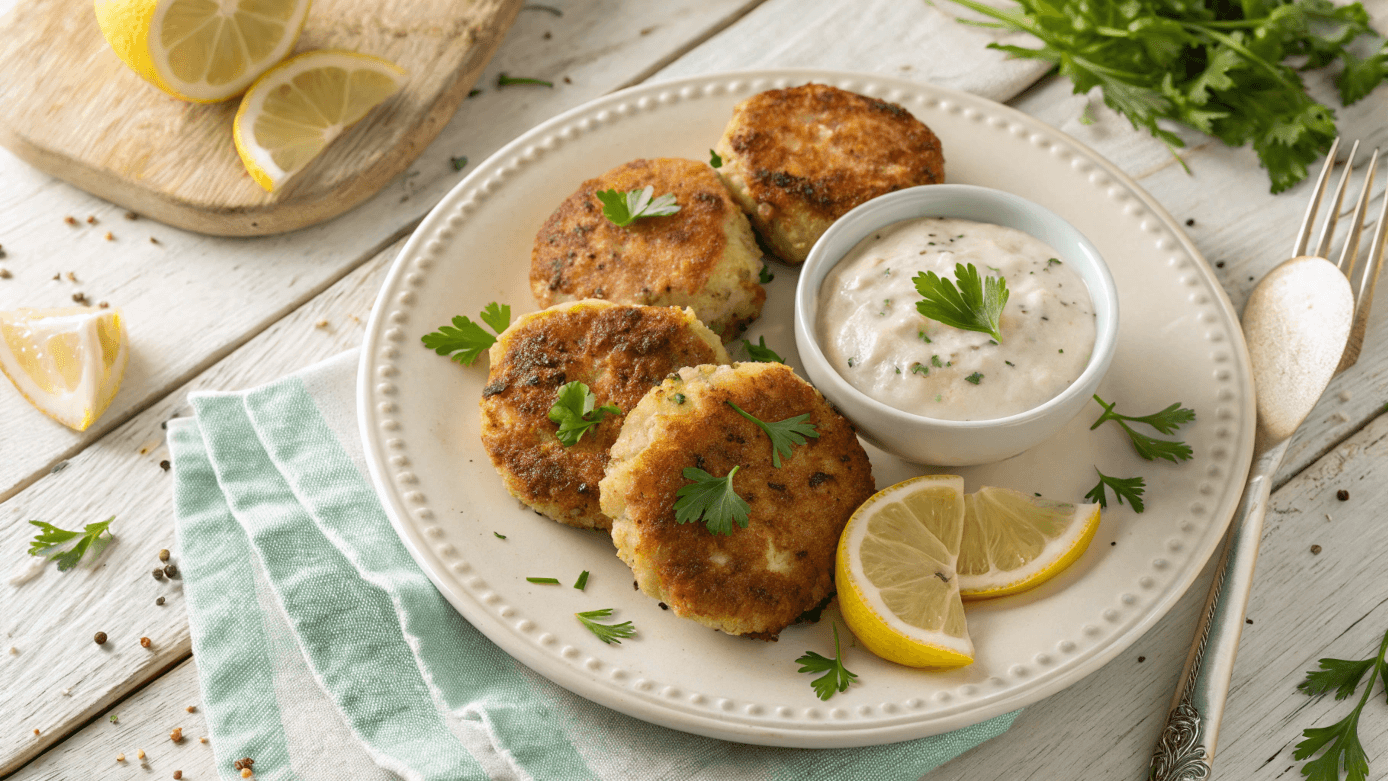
x=164 y=465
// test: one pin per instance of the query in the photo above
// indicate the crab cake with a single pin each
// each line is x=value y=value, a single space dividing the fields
x=619 y=352
x=704 y=256
x=797 y=159
x=761 y=578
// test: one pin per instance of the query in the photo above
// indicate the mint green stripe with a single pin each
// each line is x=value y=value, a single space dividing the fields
x=235 y=670
x=466 y=667
x=346 y=627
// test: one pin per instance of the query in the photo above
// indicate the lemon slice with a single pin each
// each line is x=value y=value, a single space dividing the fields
x=300 y=106
x=66 y=362
x=896 y=573
x=201 y=50
x=1014 y=542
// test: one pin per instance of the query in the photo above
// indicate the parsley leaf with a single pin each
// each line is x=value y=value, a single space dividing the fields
x=714 y=160
x=582 y=581
x=711 y=499
x=608 y=633
x=1345 y=750
x=760 y=352
x=976 y=305
x=622 y=209
x=765 y=277
x=784 y=434
x=50 y=539
x=465 y=339
x=573 y=411
x=836 y=677
x=1129 y=488
x=1167 y=422
x=1230 y=70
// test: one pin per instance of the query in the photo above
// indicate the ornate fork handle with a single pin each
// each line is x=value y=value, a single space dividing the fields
x=1187 y=744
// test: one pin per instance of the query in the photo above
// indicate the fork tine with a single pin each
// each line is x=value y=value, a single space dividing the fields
x=1364 y=298
x=1303 y=236
x=1333 y=216
x=1350 y=252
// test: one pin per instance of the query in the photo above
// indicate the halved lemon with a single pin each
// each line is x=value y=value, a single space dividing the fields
x=294 y=111
x=201 y=50
x=895 y=573
x=1014 y=542
x=67 y=362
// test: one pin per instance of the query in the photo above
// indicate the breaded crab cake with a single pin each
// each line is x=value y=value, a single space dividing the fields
x=704 y=256
x=759 y=579
x=797 y=159
x=619 y=352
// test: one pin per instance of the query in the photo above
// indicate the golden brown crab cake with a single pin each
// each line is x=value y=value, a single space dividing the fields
x=797 y=159
x=619 y=352
x=704 y=256
x=759 y=579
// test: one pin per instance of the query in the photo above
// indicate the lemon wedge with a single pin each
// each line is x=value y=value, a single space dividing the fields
x=201 y=50
x=895 y=573
x=66 y=362
x=295 y=110
x=1014 y=542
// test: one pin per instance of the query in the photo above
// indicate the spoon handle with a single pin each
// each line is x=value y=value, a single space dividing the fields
x=1186 y=747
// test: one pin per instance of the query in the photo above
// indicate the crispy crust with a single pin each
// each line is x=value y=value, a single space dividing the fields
x=797 y=159
x=704 y=256
x=620 y=352
x=759 y=579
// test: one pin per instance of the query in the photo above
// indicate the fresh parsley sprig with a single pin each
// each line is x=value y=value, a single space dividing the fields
x=1129 y=488
x=1342 y=737
x=50 y=541
x=836 y=677
x=622 y=209
x=466 y=340
x=976 y=305
x=760 y=352
x=608 y=633
x=574 y=412
x=1167 y=422
x=1226 y=69
x=712 y=500
x=784 y=434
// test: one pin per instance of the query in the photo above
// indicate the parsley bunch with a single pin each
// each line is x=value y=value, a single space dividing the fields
x=976 y=305
x=1343 y=676
x=1217 y=67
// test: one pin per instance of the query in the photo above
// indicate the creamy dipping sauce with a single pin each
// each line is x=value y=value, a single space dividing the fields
x=873 y=336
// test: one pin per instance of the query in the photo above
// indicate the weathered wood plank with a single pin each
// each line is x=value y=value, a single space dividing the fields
x=190 y=300
x=50 y=620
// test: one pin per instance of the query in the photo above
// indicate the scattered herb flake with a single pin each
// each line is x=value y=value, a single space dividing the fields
x=459 y=163
x=499 y=535
x=582 y=581
x=714 y=160
x=920 y=369
x=765 y=277
x=975 y=378
x=502 y=80
x=547 y=581
x=608 y=633
x=759 y=352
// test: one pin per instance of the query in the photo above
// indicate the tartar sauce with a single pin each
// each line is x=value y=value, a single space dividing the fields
x=875 y=338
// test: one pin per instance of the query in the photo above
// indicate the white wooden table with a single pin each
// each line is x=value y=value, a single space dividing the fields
x=209 y=313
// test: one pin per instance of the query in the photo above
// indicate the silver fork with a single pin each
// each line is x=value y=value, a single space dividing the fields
x=1304 y=324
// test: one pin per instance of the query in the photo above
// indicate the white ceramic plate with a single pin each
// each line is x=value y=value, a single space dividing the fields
x=1180 y=341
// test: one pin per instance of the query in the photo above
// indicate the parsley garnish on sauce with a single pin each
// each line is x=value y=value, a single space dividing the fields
x=608 y=633
x=466 y=340
x=976 y=305
x=836 y=677
x=712 y=500
x=1130 y=488
x=1166 y=422
x=573 y=411
x=50 y=540
x=1343 y=676
x=622 y=209
x=784 y=434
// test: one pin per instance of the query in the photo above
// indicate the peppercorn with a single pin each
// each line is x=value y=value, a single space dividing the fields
x=139 y=753
x=158 y=573
x=100 y=638
x=120 y=757
x=164 y=554
x=144 y=642
x=1315 y=550
x=191 y=708
x=158 y=600
x=1342 y=495
x=176 y=735
x=246 y=772
x=171 y=570
x=178 y=774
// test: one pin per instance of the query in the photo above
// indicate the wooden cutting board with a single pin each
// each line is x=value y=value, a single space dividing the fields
x=69 y=107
